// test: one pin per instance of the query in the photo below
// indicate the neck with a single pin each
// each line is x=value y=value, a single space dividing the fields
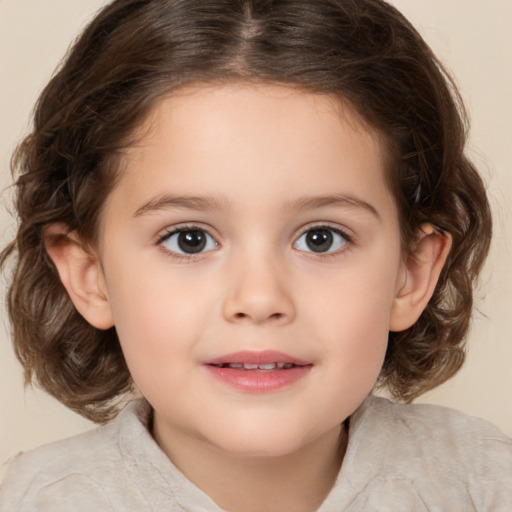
x=296 y=482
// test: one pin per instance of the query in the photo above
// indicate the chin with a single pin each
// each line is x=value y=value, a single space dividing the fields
x=262 y=440
x=248 y=447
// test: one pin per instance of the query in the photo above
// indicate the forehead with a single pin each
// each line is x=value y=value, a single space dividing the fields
x=268 y=141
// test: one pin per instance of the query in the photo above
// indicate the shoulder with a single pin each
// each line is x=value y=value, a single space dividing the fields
x=438 y=453
x=441 y=431
x=78 y=468
x=430 y=418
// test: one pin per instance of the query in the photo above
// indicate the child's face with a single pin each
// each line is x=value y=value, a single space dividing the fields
x=289 y=243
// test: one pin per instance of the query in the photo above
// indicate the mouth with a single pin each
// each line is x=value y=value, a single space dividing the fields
x=258 y=371
x=267 y=360
x=265 y=367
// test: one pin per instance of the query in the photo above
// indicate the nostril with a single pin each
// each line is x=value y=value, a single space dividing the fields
x=273 y=316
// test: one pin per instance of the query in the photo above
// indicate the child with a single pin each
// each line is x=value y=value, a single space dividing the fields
x=252 y=212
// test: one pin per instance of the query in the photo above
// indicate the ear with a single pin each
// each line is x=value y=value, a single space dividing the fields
x=418 y=277
x=81 y=274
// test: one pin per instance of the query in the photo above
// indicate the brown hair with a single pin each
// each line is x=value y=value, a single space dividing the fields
x=135 y=52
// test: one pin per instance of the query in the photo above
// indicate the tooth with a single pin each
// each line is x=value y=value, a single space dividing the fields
x=249 y=366
x=268 y=366
x=287 y=366
x=236 y=365
x=280 y=365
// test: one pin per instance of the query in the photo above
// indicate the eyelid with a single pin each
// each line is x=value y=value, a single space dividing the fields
x=165 y=233
x=193 y=226
x=341 y=231
x=345 y=232
x=168 y=232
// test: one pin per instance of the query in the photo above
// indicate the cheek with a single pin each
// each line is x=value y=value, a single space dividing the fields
x=353 y=356
x=352 y=317
x=159 y=315
x=357 y=302
x=149 y=317
x=357 y=351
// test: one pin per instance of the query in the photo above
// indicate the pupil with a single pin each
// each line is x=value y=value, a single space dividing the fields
x=319 y=240
x=191 y=242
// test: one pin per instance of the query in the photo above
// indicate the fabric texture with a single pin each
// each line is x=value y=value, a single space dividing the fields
x=400 y=458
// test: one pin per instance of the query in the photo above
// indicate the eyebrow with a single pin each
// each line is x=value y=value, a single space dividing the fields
x=340 y=200
x=169 y=202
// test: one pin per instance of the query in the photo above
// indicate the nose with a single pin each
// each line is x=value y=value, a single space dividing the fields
x=259 y=293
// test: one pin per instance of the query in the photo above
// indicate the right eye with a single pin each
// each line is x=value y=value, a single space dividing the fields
x=322 y=240
x=188 y=242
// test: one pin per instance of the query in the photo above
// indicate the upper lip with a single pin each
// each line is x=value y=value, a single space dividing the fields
x=258 y=357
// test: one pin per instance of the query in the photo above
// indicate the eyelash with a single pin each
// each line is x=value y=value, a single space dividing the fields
x=348 y=244
x=179 y=257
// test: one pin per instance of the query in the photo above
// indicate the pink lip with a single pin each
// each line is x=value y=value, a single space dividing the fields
x=255 y=357
x=258 y=380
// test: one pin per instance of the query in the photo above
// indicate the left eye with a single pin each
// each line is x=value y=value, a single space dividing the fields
x=321 y=240
x=189 y=241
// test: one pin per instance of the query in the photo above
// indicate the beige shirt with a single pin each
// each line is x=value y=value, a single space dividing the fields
x=400 y=458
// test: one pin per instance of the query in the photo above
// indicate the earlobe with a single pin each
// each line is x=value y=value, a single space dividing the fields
x=418 y=278
x=81 y=274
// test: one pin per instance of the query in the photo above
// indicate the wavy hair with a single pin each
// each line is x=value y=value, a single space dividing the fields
x=133 y=53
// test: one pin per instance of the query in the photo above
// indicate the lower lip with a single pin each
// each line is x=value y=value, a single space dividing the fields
x=259 y=381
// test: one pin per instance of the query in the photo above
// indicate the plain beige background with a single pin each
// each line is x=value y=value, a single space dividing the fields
x=472 y=37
